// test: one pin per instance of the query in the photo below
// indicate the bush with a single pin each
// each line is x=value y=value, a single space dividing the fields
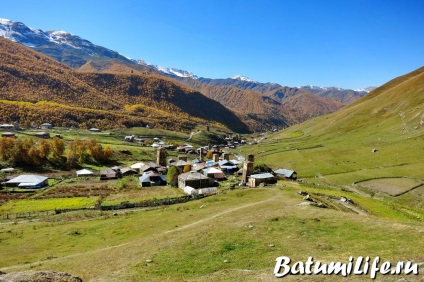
x=172 y=176
x=261 y=168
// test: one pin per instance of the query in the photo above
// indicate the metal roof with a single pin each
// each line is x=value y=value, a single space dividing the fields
x=192 y=175
x=84 y=172
x=285 y=172
x=28 y=178
x=262 y=175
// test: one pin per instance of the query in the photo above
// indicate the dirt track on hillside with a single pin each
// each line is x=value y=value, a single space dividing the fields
x=133 y=242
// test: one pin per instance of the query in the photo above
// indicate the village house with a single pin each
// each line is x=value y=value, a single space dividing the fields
x=138 y=166
x=42 y=134
x=109 y=173
x=126 y=171
x=214 y=173
x=152 y=179
x=256 y=179
x=180 y=163
x=195 y=180
x=227 y=166
x=28 y=181
x=198 y=167
x=286 y=173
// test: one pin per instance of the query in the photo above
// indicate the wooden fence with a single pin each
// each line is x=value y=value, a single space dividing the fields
x=123 y=205
x=151 y=203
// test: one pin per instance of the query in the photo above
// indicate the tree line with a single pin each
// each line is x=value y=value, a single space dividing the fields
x=31 y=151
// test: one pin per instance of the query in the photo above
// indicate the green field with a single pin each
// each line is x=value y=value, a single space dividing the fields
x=234 y=236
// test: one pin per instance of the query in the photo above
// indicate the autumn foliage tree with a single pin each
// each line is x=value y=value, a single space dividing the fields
x=44 y=149
x=58 y=147
x=30 y=151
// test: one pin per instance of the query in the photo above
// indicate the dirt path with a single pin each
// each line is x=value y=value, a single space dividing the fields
x=354 y=208
x=357 y=191
x=134 y=242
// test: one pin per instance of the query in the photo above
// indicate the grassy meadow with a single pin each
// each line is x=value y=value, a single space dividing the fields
x=234 y=236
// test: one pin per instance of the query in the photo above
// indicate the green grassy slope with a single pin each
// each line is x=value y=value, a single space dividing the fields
x=337 y=148
x=230 y=237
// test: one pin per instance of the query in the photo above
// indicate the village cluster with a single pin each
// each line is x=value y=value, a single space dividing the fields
x=194 y=177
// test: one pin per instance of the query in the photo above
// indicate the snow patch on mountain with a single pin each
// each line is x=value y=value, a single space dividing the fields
x=5 y=21
x=169 y=71
x=242 y=78
x=367 y=89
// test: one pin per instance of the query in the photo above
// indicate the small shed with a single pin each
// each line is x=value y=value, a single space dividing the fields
x=28 y=181
x=8 y=134
x=7 y=126
x=46 y=125
x=190 y=190
x=286 y=173
x=7 y=170
x=207 y=191
x=130 y=138
x=266 y=178
x=195 y=180
x=84 y=172
x=42 y=134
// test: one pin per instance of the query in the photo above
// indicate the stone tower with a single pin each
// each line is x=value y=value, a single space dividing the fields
x=215 y=158
x=226 y=156
x=201 y=154
x=161 y=157
x=247 y=168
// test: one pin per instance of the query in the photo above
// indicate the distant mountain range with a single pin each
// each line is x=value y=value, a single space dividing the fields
x=269 y=89
x=35 y=89
x=259 y=105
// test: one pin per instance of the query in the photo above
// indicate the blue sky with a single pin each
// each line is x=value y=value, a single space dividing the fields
x=344 y=43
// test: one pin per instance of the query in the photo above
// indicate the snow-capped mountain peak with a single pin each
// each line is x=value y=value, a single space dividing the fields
x=242 y=78
x=5 y=21
x=169 y=71
x=367 y=89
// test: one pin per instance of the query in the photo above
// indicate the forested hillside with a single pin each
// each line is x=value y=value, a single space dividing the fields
x=36 y=89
